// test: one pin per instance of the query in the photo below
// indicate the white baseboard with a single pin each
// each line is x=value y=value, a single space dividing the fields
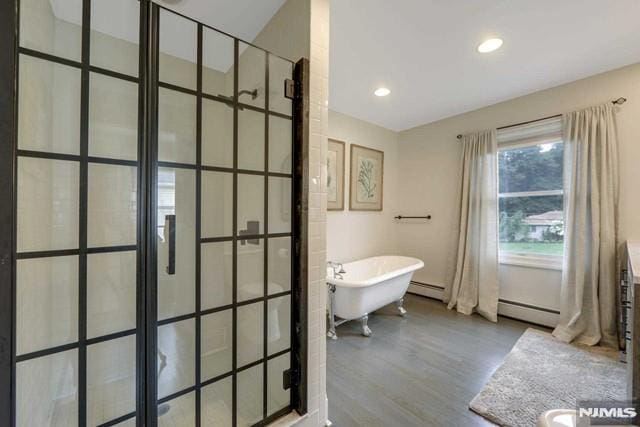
x=531 y=315
x=527 y=314
x=426 y=290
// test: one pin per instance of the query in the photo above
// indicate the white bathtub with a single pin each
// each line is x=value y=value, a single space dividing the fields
x=367 y=285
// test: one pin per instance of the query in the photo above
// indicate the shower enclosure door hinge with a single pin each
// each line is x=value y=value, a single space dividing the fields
x=289 y=88
x=286 y=379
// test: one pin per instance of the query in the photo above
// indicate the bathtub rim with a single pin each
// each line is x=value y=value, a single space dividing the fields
x=416 y=265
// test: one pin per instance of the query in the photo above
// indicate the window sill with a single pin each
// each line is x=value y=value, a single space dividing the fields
x=532 y=261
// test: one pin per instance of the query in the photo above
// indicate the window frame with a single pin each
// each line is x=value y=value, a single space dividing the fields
x=540 y=261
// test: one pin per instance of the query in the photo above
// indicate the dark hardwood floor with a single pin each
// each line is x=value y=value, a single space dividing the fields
x=422 y=370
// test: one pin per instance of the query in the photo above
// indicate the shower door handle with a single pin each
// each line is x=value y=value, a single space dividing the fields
x=170 y=221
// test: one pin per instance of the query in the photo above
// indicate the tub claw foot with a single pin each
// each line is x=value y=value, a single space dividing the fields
x=332 y=335
x=400 y=305
x=366 y=331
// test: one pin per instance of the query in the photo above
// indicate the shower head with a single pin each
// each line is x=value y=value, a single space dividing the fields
x=230 y=98
x=253 y=93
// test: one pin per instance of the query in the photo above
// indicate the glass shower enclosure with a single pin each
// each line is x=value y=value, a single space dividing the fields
x=154 y=221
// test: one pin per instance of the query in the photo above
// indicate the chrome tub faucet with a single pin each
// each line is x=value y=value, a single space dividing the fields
x=338 y=269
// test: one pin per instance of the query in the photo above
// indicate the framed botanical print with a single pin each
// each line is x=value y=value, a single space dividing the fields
x=335 y=175
x=367 y=169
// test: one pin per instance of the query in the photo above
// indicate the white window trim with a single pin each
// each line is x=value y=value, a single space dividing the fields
x=530 y=260
x=538 y=193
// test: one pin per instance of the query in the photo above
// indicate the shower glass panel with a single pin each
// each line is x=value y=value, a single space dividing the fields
x=179 y=180
x=49 y=107
x=252 y=86
x=224 y=303
x=111 y=45
x=217 y=63
x=178 y=50
x=176 y=242
x=153 y=231
x=77 y=192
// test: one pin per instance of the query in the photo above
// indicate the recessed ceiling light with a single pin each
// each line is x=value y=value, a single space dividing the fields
x=382 y=91
x=489 y=45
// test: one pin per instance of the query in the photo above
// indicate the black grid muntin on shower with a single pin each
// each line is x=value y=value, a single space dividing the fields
x=147 y=164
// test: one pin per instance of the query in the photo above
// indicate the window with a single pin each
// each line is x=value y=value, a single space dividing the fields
x=531 y=202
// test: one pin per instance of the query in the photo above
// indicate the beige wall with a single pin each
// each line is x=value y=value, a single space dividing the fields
x=353 y=235
x=429 y=169
x=288 y=32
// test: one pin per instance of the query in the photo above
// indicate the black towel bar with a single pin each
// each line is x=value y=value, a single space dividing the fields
x=413 y=217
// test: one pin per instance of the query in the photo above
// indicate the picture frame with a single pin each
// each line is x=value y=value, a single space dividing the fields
x=366 y=179
x=335 y=175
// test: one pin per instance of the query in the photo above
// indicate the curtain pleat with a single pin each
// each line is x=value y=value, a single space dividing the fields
x=588 y=294
x=475 y=285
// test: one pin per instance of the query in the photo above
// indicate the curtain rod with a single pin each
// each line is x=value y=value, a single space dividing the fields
x=618 y=101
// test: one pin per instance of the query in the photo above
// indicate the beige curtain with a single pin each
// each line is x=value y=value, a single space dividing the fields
x=475 y=285
x=588 y=296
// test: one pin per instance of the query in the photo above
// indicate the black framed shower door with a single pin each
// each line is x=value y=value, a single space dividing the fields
x=152 y=264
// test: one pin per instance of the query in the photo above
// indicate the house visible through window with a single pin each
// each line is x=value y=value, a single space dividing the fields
x=531 y=199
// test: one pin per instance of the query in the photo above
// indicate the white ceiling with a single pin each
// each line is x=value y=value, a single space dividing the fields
x=425 y=52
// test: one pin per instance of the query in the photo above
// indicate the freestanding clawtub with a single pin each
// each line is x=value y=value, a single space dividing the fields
x=361 y=287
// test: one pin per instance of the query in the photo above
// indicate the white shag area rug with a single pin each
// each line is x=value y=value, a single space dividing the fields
x=542 y=373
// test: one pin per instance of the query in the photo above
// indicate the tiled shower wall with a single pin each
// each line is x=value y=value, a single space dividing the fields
x=319 y=123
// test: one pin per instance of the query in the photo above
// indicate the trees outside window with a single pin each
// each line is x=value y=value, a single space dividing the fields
x=531 y=199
